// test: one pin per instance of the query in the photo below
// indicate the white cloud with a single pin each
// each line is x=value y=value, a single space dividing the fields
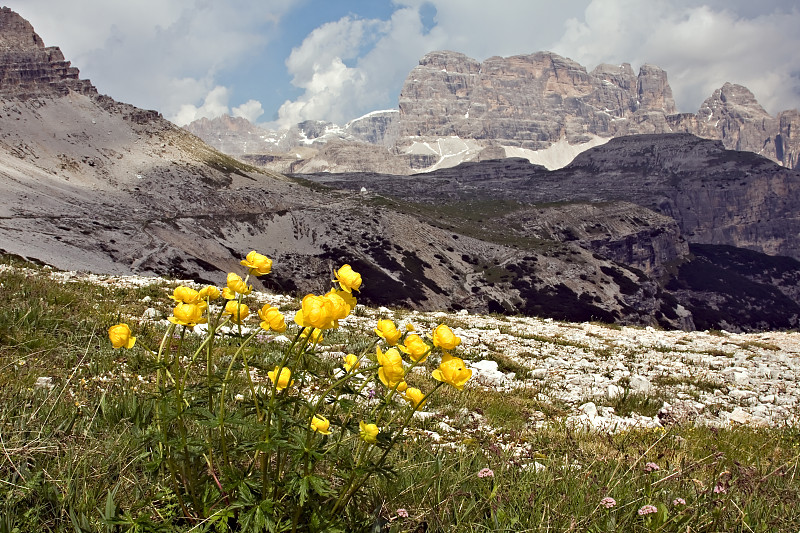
x=172 y=55
x=384 y=52
x=700 y=47
x=214 y=105
x=249 y=110
x=161 y=54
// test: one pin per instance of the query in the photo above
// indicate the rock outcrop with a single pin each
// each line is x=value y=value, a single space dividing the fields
x=528 y=101
x=540 y=106
x=29 y=68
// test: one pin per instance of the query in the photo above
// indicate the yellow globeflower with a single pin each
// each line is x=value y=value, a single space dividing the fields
x=340 y=307
x=185 y=295
x=284 y=379
x=228 y=293
x=237 y=311
x=444 y=338
x=351 y=362
x=388 y=332
x=316 y=312
x=368 y=432
x=209 y=292
x=257 y=264
x=391 y=371
x=237 y=284
x=416 y=348
x=415 y=397
x=453 y=372
x=188 y=315
x=313 y=335
x=272 y=319
x=348 y=279
x=320 y=424
x=120 y=336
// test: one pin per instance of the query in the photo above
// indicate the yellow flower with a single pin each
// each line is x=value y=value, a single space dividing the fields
x=453 y=372
x=237 y=311
x=316 y=312
x=401 y=387
x=228 y=293
x=348 y=279
x=351 y=362
x=188 y=315
x=320 y=424
x=368 y=432
x=284 y=380
x=209 y=292
x=120 y=336
x=391 y=371
x=272 y=319
x=340 y=307
x=388 y=332
x=415 y=397
x=257 y=264
x=185 y=295
x=237 y=285
x=416 y=348
x=444 y=338
x=410 y=327
x=313 y=335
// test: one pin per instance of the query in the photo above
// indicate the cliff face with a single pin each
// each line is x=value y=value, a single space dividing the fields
x=527 y=101
x=533 y=101
x=29 y=68
x=540 y=106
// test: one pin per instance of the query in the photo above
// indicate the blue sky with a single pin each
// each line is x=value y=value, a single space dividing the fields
x=277 y=62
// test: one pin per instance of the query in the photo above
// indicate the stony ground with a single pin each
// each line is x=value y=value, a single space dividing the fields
x=660 y=377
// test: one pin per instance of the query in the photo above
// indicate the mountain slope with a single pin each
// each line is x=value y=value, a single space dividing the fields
x=88 y=183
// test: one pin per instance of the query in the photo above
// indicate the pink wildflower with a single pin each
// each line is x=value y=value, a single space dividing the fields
x=608 y=502
x=719 y=488
x=402 y=513
x=647 y=509
x=678 y=501
x=486 y=472
x=651 y=467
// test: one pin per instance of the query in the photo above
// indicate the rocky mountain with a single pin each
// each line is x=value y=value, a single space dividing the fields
x=639 y=201
x=88 y=183
x=540 y=106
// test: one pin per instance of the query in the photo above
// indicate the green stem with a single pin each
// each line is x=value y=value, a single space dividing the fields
x=348 y=494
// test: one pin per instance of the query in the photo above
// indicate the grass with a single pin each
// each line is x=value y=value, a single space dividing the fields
x=71 y=455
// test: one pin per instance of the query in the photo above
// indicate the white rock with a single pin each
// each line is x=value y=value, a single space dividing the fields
x=486 y=373
x=446 y=428
x=44 y=383
x=614 y=391
x=151 y=314
x=589 y=409
x=535 y=466
x=538 y=373
x=640 y=384
x=739 y=416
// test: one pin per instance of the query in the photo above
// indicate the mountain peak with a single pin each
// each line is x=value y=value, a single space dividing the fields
x=16 y=33
x=28 y=68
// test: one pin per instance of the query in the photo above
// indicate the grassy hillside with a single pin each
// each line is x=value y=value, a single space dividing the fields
x=78 y=419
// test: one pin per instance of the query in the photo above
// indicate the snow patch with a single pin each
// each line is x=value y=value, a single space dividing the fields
x=557 y=155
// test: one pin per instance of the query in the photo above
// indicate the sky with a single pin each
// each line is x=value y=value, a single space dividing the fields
x=279 y=62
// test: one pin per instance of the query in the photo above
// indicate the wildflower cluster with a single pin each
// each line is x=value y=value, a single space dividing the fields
x=303 y=441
